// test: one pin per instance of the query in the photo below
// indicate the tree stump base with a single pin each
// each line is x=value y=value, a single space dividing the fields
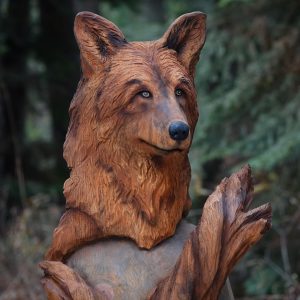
x=193 y=264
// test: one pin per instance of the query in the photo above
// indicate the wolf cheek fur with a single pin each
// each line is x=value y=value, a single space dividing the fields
x=129 y=174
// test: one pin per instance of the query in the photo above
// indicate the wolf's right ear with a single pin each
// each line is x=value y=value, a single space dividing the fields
x=186 y=35
x=98 y=39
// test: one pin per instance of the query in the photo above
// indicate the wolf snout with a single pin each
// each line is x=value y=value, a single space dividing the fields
x=179 y=131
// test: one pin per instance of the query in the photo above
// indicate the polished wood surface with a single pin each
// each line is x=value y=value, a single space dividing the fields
x=128 y=176
x=132 y=121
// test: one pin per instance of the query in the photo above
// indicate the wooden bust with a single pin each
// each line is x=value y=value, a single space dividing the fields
x=132 y=121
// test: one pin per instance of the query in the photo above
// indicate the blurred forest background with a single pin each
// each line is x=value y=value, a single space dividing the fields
x=248 y=82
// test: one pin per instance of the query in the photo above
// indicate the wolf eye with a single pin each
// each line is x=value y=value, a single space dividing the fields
x=178 y=92
x=145 y=94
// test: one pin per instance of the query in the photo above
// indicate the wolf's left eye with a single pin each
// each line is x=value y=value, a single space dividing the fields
x=145 y=94
x=178 y=92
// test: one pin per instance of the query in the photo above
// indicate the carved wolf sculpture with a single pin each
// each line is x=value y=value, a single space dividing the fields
x=131 y=124
x=132 y=121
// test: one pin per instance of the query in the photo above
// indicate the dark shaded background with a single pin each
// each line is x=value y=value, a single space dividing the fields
x=248 y=82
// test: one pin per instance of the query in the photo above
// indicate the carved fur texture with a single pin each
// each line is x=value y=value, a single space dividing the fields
x=132 y=121
x=129 y=178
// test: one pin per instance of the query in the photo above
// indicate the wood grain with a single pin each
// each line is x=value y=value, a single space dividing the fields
x=128 y=178
x=122 y=235
x=225 y=232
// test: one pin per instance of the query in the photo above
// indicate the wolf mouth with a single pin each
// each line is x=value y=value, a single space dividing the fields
x=163 y=150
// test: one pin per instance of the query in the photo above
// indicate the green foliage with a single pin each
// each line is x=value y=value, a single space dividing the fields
x=250 y=99
x=262 y=281
x=248 y=82
x=135 y=29
x=223 y=3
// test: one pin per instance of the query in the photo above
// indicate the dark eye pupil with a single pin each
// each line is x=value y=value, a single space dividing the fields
x=178 y=92
x=145 y=94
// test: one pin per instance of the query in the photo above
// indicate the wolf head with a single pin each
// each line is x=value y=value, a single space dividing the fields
x=131 y=125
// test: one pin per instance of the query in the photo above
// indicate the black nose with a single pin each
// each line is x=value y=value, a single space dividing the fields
x=179 y=131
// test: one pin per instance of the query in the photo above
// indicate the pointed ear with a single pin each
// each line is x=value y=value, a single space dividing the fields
x=98 y=39
x=186 y=35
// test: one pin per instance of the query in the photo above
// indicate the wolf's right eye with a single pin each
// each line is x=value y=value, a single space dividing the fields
x=145 y=94
x=178 y=92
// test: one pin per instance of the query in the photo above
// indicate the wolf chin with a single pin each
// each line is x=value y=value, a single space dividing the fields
x=132 y=121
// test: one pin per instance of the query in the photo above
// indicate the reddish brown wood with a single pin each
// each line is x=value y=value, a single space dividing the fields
x=129 y=178
x=128 y=188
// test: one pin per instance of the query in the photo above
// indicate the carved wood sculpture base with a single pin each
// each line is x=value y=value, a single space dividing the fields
x=193 y=264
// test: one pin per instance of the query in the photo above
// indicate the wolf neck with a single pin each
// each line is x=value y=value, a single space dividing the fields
x=147 y=185
x=137 y=197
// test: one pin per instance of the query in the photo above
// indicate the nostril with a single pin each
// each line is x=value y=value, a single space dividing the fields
x=179 y=131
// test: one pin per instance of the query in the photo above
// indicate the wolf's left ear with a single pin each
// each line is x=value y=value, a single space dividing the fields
x=186 y=35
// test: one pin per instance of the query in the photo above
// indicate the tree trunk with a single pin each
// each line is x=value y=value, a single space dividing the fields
x=13 y=74
x=57 y=49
